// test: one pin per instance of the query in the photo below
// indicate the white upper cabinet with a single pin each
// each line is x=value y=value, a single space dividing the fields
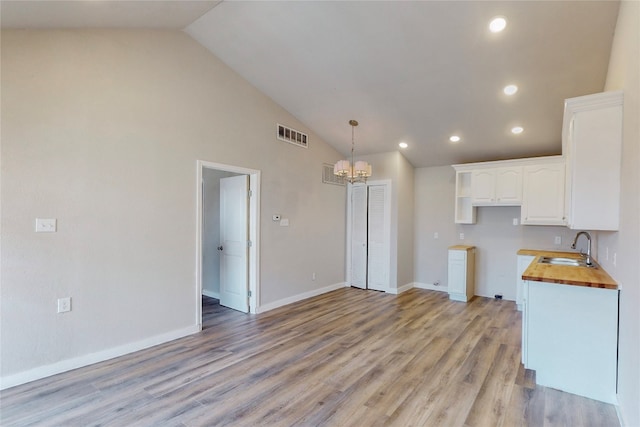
x=483 y=184
x=465 y=212
x=509 y=186
x=592 y=144
x=543 y=194
x=497 y=186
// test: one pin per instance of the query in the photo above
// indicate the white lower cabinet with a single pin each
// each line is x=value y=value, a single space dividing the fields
x=569 y=337
x=461 y=283
x=523 y=263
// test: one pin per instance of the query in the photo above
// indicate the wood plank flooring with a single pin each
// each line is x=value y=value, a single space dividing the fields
x=346 y=358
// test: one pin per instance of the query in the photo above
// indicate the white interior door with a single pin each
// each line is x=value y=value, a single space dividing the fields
x=234 y=237
x=359 y=236
x=378 y=238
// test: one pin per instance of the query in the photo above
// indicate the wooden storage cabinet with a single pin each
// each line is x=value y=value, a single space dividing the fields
x=461 y=283
x=592 y=145
x=543 y=194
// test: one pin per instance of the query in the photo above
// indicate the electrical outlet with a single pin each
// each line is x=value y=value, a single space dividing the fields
x=64 y=304
x=615 y=260
x=461 y=236
x=313 y=276
x=606 y=253
x=46 y=225
x=436 y=235
x=557 y=240
x=515 y=221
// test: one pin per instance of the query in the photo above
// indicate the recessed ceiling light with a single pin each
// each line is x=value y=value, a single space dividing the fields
x=497 y=24
x=454 y=138
x=510 y=89
x=517 y=129
x=403 y=145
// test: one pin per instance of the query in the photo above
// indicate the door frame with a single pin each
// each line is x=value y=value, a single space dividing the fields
x=254 y=232
x=388 y=184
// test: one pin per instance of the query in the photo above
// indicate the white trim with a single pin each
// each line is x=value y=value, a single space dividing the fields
x=91 y=358
x=254 y=232
x=619 y=413
x=431 y=287
x=300 y=297
x=211 y=294
x=401 y=289
x=464 y=167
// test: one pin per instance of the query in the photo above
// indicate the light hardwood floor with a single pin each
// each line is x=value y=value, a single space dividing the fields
x=346 y=358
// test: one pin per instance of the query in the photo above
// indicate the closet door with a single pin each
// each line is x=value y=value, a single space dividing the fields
x=358 y=260
x=378 y=238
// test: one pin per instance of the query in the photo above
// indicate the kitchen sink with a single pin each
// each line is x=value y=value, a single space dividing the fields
x=574 y=262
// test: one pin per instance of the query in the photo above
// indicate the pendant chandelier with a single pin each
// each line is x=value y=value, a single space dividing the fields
x=355 y=171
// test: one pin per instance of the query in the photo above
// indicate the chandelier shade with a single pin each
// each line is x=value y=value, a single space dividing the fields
x=352 y=171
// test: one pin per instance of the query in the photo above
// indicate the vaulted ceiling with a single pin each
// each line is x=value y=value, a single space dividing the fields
x=414 y=72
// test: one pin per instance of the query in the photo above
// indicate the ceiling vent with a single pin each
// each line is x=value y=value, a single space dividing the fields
x=328 y=177
x=292 y=136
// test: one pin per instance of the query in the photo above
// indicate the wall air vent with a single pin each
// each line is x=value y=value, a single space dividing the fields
x=292 y=136
x=329 y=178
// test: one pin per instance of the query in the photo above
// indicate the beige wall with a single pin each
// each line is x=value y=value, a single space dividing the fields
x=624 y=73
x=102 y=130
x=406 y=256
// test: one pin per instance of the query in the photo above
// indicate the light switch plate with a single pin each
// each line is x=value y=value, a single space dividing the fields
x=64 y=304
x=284 y=222
x=46 y=225
x=557 y=240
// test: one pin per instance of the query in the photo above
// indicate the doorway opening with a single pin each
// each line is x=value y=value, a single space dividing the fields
x=219 y=186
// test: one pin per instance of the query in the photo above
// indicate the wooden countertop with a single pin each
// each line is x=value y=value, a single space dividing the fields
x=565 y=274
x=461 y=247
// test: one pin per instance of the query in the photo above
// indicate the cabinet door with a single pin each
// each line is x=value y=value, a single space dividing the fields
x=483 y=187
x=594 y=144
x=543 y=195
x=508 y=186
x=457 y=272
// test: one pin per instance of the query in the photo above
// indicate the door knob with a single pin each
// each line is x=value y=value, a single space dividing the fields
x=219 y=248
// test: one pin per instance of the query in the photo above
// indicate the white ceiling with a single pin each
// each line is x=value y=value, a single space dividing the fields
x=407 y=71
x=48 y=14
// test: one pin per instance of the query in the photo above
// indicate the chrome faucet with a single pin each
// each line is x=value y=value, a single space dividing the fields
x=588 y=236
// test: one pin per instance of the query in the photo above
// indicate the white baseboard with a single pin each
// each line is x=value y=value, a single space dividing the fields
x=299 y=297
x=430 y=286
x=211 y=294
x=401 y=289
x=89 y=359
